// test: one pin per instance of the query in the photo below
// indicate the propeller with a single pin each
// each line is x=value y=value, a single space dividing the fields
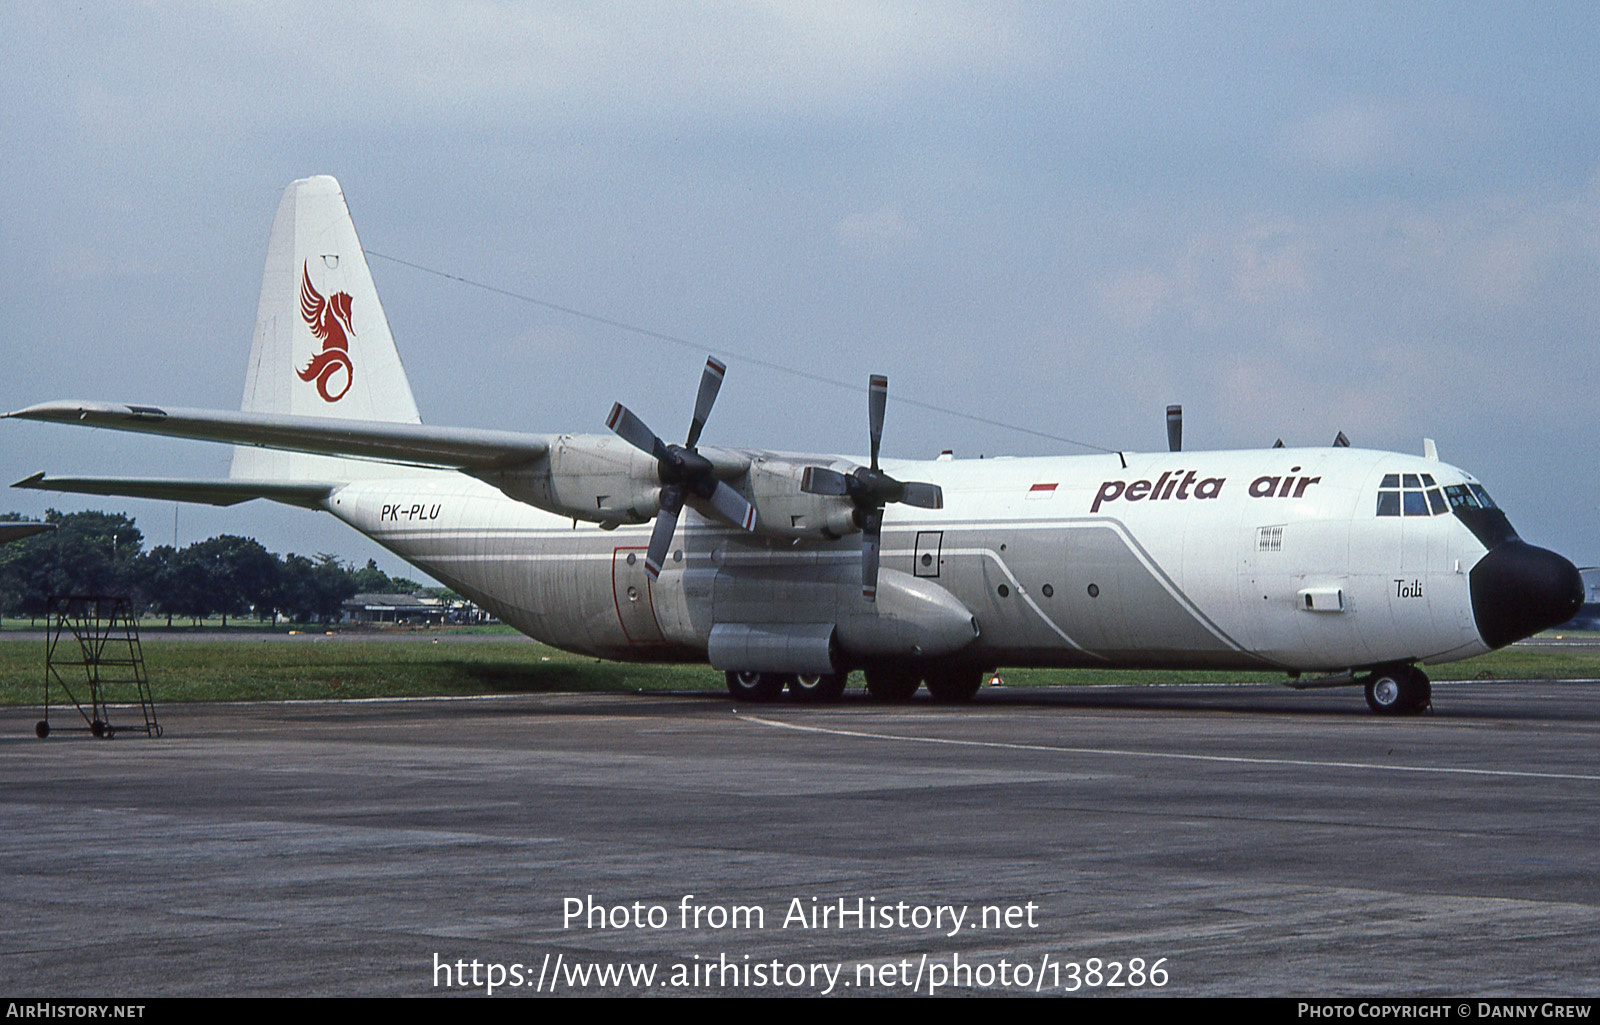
x=1175 y=428
x=870 y=489
x=682 y=470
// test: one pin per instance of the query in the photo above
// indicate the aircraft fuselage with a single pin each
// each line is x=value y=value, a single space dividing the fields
x=1274 y=559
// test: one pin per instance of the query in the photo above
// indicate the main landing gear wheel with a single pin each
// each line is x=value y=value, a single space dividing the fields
x=747 y=686
x=954 y=685
x=1402 y=690
x=817 y=688
x=893 y=683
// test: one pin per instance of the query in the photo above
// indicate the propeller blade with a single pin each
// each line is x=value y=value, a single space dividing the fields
x=877 y=398
x=666 y=523
x=819 y=480
x=871 y=541
x=1175 y=428
x=733 y=507
x=710 y=384
x=633 y=430
x=1341 y=441
x=923 y=496
x=1278 y=443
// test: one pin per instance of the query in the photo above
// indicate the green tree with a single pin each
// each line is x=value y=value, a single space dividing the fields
x=228 y=574
x=314 y=589
x=158 y=582
x=87 y=553
x=372 y=580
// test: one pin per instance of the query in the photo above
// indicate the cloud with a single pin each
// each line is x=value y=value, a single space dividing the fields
x=1213 y=276
x=879 y=232
x=624 y=65
x=1387 y=134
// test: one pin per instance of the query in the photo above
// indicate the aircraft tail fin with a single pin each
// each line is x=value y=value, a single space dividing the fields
x=322 y=345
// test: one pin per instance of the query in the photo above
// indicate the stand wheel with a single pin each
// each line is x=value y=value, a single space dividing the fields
x=97 y=728
x=41 y=729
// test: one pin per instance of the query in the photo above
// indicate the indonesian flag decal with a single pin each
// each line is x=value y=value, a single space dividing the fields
x=1043 y=490
x=329 y=320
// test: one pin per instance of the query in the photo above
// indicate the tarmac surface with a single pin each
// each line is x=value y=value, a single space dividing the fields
x=1262 y=841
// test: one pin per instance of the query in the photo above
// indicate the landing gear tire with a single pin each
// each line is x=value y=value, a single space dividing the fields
x=1404 y=690
x=893 y=683
x=954 y=685
x=755 y=687
x=817 y=688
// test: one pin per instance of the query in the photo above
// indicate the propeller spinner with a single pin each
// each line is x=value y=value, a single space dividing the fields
x=870 y=489
x=682 y=470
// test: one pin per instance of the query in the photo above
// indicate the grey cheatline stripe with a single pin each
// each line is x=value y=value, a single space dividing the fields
x=1022 y=592
x=1155 y=570
x=1173 y=755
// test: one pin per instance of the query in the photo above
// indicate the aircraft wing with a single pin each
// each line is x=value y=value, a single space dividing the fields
x=307 y=494
x=18 y=531
x=452 y=448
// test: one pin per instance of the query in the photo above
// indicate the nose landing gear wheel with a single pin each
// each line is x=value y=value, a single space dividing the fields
x=747 y=686
x=1403 y=690
x=817 y=688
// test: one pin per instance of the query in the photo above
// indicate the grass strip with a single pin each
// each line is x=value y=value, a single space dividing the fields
x=277 y=670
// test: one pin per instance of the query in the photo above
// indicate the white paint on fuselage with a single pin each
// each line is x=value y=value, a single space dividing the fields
x=1403 y=579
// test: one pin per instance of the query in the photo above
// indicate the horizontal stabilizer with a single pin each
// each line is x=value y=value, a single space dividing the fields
x=453 y=448
x=307 y=494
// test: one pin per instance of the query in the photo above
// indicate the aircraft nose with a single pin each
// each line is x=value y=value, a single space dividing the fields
x=1518 y=590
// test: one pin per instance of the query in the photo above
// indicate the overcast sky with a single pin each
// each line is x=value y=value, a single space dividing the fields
x=1381 y=219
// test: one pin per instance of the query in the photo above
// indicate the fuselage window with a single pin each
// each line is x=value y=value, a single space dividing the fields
x=1436 y=502
x=1388 y=503
x=1414 y=502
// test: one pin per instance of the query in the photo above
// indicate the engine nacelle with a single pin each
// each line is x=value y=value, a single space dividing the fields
x=595 y=477
x=603 y=479
x=772 y=485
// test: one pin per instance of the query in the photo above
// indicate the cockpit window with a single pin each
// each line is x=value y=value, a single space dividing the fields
x=1416 y=494
x=1473 y=506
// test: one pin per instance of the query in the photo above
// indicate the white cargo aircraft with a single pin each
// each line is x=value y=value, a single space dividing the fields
x=1336 y=565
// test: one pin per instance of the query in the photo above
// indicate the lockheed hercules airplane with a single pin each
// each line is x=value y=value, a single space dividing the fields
x=787 y=571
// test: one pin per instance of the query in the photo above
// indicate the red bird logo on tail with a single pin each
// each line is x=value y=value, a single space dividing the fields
x=329 y=320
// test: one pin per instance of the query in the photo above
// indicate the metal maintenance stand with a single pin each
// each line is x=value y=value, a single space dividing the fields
x=94 y=640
